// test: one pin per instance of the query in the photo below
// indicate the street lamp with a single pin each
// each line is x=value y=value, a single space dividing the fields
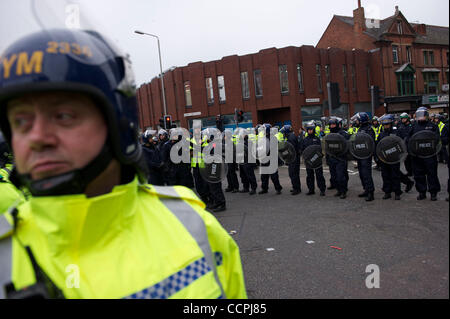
x=160 y=67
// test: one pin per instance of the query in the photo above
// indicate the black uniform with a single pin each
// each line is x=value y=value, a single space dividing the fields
x=294 y=167
x=425 y=169
x=339 y=167
x=308 y=141
x=274 y=177
x=247 y=172
x=177 y=173
x=390 y=173
x=403 y=131
x=154 y=165
x=365 y=165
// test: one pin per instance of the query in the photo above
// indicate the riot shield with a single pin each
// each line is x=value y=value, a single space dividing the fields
x=287 y=152
x=424 y=144
x=335 y=145
x=391 y=149
x=214 y=172
x=361 y=145
x=312 y=156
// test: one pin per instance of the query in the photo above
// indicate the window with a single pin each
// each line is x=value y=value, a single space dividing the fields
x=408 y=54
x=221 y=86
x=399 y=27
x=245 y=87
x=187 y=93
x=395 y=54
x=209 y=91
x=258 y=83
x=431 y=82
x=344 y=74
x=311 y=112
x=428 y=57
x=353 y=77
x=319 y=78
x=327 y=72
x=284 y=81
x=405 y=83
x=300 y=77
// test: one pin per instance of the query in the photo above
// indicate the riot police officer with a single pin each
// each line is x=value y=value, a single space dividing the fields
x=377 y=128
x=338 y=164
x=287 y=134
x=274 y=176
x=312 y=139
x=390 y=173
x=152 y=158
x=365 y=165
x=403 y=129
x=425 y=169
x=443 y=132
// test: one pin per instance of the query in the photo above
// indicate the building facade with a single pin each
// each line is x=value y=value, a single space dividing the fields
x=276 y=86
x=414 y=57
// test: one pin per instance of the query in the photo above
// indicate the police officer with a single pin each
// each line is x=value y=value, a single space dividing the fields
x=247 y=168
x=72 y=124
x=443 y=132
x=287 y=134
x=390 y=173
x=377 y=128
x=152 y=158
x=365 y=165
x=274 y=176
x=338 y=164
x=233 y=182
x=312 y=139
x=425 y=169
x=403 y=129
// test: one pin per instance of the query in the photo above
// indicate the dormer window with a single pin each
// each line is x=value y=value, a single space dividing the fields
x=399 y=27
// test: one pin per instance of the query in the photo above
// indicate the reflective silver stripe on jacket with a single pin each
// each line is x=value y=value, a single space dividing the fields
x=5 y=264
x=5 y=226
x=192 y=221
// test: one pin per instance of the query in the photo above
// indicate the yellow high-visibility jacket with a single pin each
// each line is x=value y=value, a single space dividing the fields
x=138 y=241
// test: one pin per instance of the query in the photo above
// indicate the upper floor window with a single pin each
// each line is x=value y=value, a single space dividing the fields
x=395 y=54
x=300 y=77
x=399 y=27
x=428 y=57
x=408 y=54
x=245 y=86
x=344 y=74
x=284 y=81
x=258 y=83
x=209 y=91
x=221 y=86
x=431 y=82
x=187 y=93
x=319 y=78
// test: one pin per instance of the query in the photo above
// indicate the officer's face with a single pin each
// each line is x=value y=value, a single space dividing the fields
x=55 y=132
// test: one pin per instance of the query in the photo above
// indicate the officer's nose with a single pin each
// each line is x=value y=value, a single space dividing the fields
x=42 y=134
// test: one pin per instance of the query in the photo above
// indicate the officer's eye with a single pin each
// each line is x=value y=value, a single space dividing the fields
x=64 y=116
x=21 y=122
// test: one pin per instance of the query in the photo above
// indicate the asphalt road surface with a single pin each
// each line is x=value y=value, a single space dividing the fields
x=320 y=247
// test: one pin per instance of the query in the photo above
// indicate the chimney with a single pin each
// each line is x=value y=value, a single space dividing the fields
x=396 y=10
x=359 y=20
x=420 y=29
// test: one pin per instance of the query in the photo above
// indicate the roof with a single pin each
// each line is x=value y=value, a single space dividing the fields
x=434 y=35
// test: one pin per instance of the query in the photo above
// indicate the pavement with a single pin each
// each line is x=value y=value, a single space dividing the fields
x=308 y=247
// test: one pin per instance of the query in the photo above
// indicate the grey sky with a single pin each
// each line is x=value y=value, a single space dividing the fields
x=206 y=30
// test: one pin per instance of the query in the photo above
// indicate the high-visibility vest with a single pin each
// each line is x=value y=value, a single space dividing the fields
x=441 y=127
x=317 y=131
x=138 y=241
x=197 y=156
x=9 y=194
x=377 y=131
x=327 y=130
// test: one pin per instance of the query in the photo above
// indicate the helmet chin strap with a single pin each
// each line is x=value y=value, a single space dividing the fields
x=73 y=182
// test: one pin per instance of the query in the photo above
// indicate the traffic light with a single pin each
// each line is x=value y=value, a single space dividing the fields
x=376 y=98
x=167 y=122
x=239 y=116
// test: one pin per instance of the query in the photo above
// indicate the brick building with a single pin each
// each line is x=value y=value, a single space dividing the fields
x=277 y=86
x=414 y=57
x=409 y=62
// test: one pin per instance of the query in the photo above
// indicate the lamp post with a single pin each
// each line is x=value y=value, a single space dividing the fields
x=160 y=67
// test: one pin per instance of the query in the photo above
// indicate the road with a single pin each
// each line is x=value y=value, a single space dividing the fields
x=319 y=247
